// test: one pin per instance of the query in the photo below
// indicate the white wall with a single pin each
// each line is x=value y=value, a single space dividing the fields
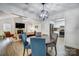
x=72 y=28
x=45 y=26
x=30 y=25
x=6 y=21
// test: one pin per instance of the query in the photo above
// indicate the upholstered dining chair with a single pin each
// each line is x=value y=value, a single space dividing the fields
x=25 y=43
x=38 y=46
x=53 y=42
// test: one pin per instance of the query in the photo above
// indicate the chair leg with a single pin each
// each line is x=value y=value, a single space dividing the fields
x=55 y=51
x=51 y=48
x=46 y=49
x=24 y=52
x=27 y=51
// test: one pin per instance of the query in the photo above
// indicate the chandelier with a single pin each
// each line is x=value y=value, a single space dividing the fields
x=44 y=13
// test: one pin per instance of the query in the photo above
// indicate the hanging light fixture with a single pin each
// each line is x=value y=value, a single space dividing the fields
x=44 y=13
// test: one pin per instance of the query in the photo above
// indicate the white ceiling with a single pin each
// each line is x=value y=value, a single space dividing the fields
x=33 y=10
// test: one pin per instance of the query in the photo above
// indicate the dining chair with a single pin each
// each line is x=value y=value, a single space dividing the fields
x=38 y=46
x=53 y=42
x=25 y=43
